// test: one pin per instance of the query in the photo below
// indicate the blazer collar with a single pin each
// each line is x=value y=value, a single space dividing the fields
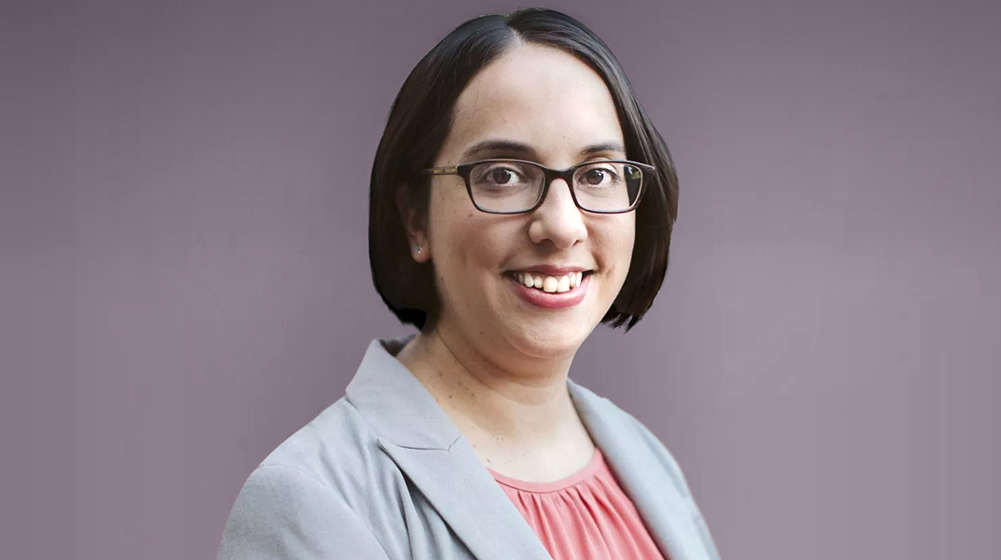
x=424 y=442
x=395 y=403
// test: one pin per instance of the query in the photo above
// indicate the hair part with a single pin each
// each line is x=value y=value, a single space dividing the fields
x=419 y=123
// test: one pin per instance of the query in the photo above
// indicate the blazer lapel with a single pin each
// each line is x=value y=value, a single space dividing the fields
x=427 y=446
x=657 y=497
x=470 y=501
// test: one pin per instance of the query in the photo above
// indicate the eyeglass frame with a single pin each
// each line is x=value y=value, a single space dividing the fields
x=549 y=175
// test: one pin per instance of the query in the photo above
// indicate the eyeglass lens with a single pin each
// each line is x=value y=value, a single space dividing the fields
x=511 y=186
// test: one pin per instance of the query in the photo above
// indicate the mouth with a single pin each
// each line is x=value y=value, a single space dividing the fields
x=550 y=284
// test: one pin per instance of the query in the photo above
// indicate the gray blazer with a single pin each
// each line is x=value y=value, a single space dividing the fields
x=383 y=473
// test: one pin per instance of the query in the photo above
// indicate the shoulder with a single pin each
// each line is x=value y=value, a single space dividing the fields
x=335 y=442
x=282 y=512
x=338 y=451
x=328 y=474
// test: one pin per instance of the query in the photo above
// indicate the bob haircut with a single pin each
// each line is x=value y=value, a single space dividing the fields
x=420 y=121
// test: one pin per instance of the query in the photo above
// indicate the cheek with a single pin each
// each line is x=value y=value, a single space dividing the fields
x=629 y=233
x=460 y=235
x=447 y=219
x=619 y=237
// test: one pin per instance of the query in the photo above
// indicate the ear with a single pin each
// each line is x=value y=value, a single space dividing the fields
x=414 y=224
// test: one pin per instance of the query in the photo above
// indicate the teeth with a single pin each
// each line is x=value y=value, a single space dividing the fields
x=551 y=284
x=564 y=284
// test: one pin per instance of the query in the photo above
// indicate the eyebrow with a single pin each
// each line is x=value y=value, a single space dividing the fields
x=524 y=150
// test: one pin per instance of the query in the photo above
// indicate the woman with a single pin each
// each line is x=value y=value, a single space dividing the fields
x=468 y=440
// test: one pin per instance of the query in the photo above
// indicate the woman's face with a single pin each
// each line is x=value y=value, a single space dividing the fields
x=541 y=104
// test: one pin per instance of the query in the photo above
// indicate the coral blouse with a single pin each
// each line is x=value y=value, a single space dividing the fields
x=585 y=516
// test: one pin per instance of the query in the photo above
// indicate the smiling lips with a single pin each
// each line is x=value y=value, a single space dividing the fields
x=551 y=287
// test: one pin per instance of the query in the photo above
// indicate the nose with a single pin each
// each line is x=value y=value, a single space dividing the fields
x=557 y=219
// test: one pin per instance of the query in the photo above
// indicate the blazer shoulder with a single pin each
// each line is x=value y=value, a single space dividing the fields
x=337 y=449
x=331 y=473
x=283 y=512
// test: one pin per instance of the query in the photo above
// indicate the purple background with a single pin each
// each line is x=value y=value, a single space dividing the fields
x=185 y=276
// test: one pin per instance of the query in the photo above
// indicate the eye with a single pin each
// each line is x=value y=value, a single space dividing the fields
x=598 y=175
x=498 y=175
x=501 y=175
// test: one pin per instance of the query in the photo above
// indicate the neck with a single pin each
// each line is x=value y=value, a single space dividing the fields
x=523 y=405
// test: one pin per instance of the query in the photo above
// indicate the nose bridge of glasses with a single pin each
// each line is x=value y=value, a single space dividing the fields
x=567 y=175
x=550 y=177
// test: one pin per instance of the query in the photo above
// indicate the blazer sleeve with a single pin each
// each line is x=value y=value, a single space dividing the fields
x=286 y=514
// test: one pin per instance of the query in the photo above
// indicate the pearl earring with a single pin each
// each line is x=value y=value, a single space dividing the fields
x=418 y=249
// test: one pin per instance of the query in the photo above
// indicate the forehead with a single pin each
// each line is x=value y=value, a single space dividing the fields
x=539 y=96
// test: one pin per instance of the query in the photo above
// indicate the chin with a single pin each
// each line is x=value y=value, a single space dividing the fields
x=550 y=342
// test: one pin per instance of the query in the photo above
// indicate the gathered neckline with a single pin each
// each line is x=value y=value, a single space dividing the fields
x=557 y=485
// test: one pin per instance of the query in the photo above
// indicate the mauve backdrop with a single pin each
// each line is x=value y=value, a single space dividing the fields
x=185 y=274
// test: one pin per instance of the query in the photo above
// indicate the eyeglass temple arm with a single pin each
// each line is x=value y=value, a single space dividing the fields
x=442 y=170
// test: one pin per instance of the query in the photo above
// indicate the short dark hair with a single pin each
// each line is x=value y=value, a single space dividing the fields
x=420 y=121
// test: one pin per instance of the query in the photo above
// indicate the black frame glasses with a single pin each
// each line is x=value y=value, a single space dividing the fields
x=549 y=175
